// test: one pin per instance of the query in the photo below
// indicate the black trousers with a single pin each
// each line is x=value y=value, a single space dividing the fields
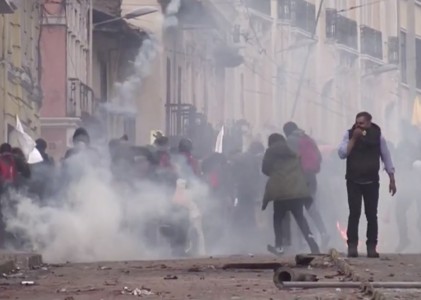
x=356 y=193
x=296 y=208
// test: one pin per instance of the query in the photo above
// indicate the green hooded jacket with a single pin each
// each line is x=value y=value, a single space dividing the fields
x=286 y=179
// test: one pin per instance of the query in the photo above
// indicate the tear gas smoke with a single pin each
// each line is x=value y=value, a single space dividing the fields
x=171 y=12
x=127 y=92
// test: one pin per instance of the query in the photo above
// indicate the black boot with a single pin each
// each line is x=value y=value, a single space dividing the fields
x=371 y=251
x=314 y=248
x=352 y=251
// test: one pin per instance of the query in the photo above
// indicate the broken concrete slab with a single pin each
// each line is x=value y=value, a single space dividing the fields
x=22 y=260
x=7 y=266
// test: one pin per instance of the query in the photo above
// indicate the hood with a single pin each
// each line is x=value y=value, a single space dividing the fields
x=281 y=150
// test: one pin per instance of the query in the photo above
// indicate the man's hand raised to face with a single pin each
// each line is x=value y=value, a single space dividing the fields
x=357 y=133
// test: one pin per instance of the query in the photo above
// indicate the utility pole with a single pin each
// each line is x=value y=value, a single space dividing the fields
x=274 y=38
x=410 y=57
x=303 y=71
x=91 y=44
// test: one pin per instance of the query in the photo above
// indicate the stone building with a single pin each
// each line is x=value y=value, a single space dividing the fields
x=20 y=71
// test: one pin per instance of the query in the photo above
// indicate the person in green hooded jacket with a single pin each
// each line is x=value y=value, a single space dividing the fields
x=287 y=188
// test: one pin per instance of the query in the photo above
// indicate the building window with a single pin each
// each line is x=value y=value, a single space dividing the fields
x=180 y=79
x=403 y=56
x=260 y=5
x=242 y=95
x=168 y=80
x=418 y=63
x=393 y=50
x=331 y=23
x=371 y=42
x=284 y=9
x=346 y=32
x=304 y=15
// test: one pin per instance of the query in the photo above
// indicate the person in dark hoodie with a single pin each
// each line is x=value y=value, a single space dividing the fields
x=41 y=146
x=287 y=188
x=81 y=142
x=185 y=148
x=310 y=158
x=363 y=146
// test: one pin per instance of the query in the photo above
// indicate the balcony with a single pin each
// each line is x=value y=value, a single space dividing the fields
x=371 y=42
x=262 y=6
x=346 y=32
x=304 y=15
x=80 y=99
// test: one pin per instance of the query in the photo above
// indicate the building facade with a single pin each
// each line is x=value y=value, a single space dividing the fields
x=324 y=66
x=20 y=70
x=66 y=55
x=186 y=87
x=116 y=45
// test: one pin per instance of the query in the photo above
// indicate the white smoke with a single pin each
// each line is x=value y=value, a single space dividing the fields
x=172 y=10
x=127 y=92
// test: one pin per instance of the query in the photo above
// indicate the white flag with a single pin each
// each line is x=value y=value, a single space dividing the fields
x=27 y=144
x=219 y=141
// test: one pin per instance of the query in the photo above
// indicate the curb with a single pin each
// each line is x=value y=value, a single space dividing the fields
x=349 y=272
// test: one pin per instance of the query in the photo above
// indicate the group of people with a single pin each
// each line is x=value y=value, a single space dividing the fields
x=284 y=172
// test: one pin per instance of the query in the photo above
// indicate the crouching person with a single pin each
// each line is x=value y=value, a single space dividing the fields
x=287 y=188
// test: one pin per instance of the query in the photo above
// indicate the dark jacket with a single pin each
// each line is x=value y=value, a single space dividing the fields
x=248 y=176
x=363 y=163
x=286 y=178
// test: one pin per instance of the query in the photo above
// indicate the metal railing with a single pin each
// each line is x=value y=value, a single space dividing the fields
x=80 y=98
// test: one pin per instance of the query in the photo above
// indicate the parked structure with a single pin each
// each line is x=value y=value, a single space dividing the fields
x=20 y=71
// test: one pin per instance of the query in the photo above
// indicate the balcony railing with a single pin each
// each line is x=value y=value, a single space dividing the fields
x=262 y=6
x=346 y=32
x=371 y=42
x=80 y=98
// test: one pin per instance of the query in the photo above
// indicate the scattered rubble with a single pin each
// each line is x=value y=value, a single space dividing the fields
x=137 y=291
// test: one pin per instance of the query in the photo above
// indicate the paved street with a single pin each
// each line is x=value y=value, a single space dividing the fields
x=198 y=279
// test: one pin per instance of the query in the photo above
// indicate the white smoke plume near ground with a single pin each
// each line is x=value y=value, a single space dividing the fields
x=95 y=219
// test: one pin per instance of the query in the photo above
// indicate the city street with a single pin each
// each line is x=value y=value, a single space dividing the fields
x=199 y=279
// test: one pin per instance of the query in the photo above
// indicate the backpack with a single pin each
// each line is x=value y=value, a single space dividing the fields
x=309 y=155
x=8 y=171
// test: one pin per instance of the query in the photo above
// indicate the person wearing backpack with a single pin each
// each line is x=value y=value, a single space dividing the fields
x=286 y=187
x=311 y=159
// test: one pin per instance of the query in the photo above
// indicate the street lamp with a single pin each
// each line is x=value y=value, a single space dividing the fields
x=138 y=12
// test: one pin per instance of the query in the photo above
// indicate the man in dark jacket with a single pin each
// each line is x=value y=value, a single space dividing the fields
x=295 y=138
x=287 y=188
x=363 y=146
